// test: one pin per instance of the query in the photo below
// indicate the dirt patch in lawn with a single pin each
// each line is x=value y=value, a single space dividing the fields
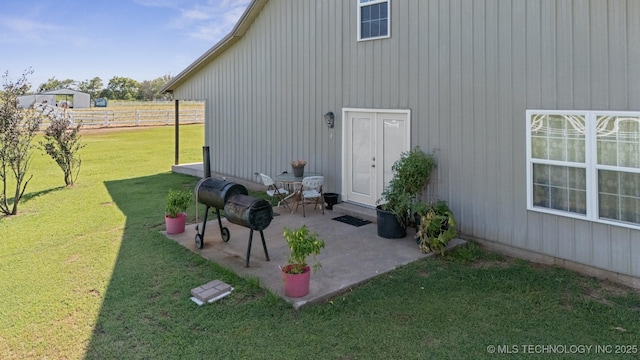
x=485 y=264
x=605 y=290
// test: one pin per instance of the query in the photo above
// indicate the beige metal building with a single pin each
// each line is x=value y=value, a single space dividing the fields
x=59 y=97
x=533 y=105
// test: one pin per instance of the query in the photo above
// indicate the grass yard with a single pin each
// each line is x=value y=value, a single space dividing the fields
x=85 y=273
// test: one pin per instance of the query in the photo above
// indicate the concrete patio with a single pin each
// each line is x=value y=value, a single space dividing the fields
x=352 y=255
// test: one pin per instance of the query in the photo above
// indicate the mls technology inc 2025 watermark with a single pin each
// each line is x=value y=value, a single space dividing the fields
x=561 y=349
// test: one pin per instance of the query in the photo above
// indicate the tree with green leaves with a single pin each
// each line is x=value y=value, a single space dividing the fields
x=106 y=93
x=54 y=84
x=123 y=88
x=91 y=87
x=18 y=127
x=62 y=143
x=118 y=88
x=150 y=90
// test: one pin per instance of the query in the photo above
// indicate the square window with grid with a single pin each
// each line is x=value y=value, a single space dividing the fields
x=373 y=19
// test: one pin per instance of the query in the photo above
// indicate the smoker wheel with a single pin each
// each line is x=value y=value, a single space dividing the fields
x=199 y=242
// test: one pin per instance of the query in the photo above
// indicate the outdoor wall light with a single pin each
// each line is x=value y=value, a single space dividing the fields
x=329 y=119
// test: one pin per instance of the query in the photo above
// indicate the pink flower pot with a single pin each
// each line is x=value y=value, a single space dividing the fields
x=175 y=225
x=296 y=285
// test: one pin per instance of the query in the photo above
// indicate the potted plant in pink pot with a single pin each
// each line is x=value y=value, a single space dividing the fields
x=297 y=273
x=175 y=217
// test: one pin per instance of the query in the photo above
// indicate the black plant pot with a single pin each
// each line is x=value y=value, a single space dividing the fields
x=389 y=227
x=298 y=171
x=331 y=199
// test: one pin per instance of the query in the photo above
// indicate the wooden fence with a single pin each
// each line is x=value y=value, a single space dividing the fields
x=122 y=118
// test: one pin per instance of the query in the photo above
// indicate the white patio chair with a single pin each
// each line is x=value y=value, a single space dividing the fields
x=310 y=191
x=273 y=190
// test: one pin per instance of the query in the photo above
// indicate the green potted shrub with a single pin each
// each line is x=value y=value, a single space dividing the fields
x=297 y=273
x=175 y=217
x=411 y=173
x=435 y=227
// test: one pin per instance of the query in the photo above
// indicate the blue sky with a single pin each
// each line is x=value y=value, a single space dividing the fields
x=138 y=39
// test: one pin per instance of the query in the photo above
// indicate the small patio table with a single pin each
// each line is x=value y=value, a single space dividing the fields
x=288 y=179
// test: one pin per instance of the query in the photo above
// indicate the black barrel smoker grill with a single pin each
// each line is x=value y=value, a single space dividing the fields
x=239 y=207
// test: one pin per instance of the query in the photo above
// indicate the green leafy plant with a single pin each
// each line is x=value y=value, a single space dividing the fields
x=18 y=127
x=411 y=173
x=177 y=202
x=436 y=227
x=303 y=244
x=62 y=143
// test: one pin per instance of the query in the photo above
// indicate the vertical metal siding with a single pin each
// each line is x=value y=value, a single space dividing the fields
x=492 y=128
x=505 y=139
x=479 y=126
x=598 y=55
x=456 y=122
x=620 y=249
x=617 y=54
x=465 y=212
x=517 y=64
x=566 y=246
x=601 y=255
x=442 y=121
x=467 y=70
x=583 y=244
x=633 y=52
x=539 y=55
x=564 y=79
x=581 y=64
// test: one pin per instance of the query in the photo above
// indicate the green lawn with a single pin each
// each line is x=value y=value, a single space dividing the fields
x=85 y=273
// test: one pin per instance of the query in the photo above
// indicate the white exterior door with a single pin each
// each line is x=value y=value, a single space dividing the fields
x=373 y=141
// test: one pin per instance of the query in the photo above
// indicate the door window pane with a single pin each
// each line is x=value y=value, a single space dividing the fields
x=393 y=136
x=362 y=153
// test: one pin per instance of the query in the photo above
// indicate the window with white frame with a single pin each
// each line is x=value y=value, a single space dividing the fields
x=585 y=164
x=374 y=19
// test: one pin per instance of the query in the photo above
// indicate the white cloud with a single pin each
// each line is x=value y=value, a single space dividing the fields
x=208 y=33
x=202 y=19
x=16 y=30
x=209 y=20
x=195 y=14
x=159 y=3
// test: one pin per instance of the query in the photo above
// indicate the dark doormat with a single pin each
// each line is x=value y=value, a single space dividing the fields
x=348 y=219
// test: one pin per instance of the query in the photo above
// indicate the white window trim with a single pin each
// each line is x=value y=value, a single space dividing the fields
x=591 y=165
x=359 y=25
